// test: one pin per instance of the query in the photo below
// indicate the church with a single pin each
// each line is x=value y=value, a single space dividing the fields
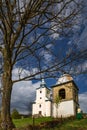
x=59 y=100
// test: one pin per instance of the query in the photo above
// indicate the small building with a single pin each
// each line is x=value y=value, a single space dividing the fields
x=42 y=105
x=67 y=91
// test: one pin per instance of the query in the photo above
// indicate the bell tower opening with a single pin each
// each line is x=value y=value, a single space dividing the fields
x=62 y=93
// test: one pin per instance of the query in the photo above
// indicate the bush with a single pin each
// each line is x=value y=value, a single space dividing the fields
x=49 y=124
x=15 y=114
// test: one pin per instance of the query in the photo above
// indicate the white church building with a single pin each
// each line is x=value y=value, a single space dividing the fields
x=67 y=92
x=43 y=104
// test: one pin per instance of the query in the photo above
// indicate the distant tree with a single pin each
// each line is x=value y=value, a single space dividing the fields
x=27 y=29
x=15 y=114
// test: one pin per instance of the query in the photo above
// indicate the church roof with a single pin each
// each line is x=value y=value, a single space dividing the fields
x=64 y=78
x=43 y=84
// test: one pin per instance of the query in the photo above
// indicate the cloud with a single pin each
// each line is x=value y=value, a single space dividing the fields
x=55 y=35
x=81 y=79
x=23 y=94
x=80 y=68
x=19 y=73
x=46 y=53
x=83 y=101
x=82 y=42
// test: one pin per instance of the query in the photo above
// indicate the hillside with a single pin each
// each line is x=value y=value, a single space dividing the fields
x=26 y=123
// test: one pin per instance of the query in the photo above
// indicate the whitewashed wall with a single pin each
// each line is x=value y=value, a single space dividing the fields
x=42 y=100
x=45 y=108
x=48 y=108
x=65 y=109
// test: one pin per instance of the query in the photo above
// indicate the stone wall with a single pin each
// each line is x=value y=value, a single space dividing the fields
x=71 y=91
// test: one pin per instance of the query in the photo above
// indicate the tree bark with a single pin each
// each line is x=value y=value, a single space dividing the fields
x=5 y=110
x=7 y=123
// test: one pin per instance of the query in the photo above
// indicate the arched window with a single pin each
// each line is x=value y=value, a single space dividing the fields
x=40 y=106
x=62 y=94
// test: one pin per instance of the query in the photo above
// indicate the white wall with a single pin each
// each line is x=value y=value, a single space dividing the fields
x=42 y=95
x=42 y=100
x=45 y=108
x=65 y=109
x=48 y=108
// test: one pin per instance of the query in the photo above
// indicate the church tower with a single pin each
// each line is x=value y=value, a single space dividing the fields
x=42 y=105
x=67 y=91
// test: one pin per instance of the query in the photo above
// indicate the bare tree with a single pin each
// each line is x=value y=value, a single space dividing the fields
x=27 y=28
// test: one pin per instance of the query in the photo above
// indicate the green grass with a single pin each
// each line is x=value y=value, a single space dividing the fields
x=80 y=123
x=25 y=121
x=73 y=125
x=22 y=122
x=66 y=125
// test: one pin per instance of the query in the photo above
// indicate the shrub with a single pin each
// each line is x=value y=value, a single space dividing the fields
x=15 y=114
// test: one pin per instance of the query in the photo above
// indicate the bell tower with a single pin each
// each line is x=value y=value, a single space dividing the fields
x=67 y=91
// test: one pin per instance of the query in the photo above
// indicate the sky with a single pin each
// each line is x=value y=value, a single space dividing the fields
x=23 y=93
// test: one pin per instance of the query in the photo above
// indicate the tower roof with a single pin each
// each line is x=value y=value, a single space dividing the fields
x=64 y=78
x=43 y=84
x=43 y=81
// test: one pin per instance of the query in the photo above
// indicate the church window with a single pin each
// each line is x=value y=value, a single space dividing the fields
x=62 y=93
x=40 y=106
x=40 y=91
x=40 y=97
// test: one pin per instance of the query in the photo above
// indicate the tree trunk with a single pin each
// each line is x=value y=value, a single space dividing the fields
x=7 y=123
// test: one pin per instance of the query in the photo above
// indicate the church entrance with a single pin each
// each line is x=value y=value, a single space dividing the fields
x=40 y=112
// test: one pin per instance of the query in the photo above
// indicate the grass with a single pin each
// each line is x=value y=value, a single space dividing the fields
x=66 y=125
x=25 y=121
x=80 y=123
x=75 y=125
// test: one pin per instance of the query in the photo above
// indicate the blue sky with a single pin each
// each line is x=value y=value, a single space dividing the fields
x=81 y=82
x=24 y=92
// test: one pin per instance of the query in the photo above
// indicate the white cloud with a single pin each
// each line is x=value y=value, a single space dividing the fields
x=82 y=43
x=23 y=93
x=82 y=67
x=55 y=35
x=79 y=68
x=83 y=101
x=46 y=54
x=54 y=31
x=19 y=73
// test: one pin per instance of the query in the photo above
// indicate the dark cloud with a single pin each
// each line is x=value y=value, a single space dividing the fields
x=83 y=101
x=23 y=95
